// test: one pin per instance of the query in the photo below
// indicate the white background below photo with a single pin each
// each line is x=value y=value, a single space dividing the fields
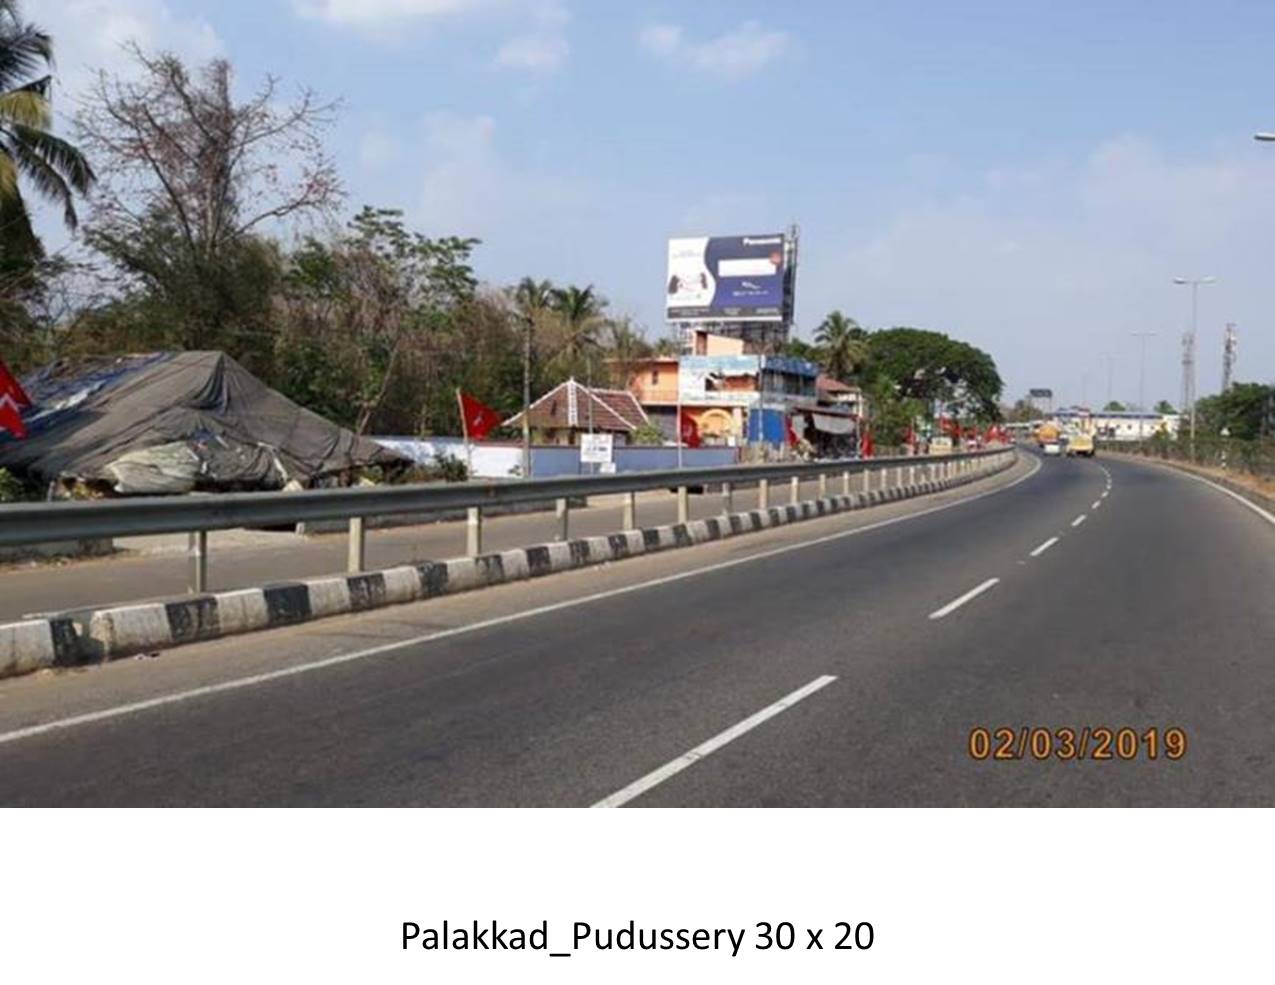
x=322 y=896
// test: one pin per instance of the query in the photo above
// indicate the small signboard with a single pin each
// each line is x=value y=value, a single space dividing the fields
x=596 y=448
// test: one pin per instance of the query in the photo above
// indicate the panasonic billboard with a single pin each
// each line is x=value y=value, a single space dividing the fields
x=727 y=278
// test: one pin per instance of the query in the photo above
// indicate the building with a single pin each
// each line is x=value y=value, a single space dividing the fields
x=1118 y=425
x=833 y=393
x=571 y=409
x=733 y=397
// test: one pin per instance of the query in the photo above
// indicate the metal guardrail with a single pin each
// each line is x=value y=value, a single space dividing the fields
x=37 y=523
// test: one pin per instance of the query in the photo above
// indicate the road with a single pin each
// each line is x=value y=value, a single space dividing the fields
x=841 y=662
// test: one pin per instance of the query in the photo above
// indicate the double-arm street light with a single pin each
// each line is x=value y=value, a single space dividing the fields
x=1265 y=137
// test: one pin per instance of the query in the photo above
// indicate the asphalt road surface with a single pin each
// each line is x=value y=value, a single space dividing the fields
x=843 y=661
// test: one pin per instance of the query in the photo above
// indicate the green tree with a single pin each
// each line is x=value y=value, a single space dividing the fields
x=800 y=349
x=1164 y=407
x=1114 y=406
x=370 y=310
x=843 y=345
x=929 y=366
x=1242 y=410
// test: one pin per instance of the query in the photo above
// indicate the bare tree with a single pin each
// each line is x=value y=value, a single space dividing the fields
x=188 y=175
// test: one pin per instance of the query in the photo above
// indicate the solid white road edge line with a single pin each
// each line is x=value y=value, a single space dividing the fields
x=955 y=604
x=1078 y=521
x=252 y=680
x=1096 y=504
x=670 y=769
x=1044 y=547
x=1264 y=514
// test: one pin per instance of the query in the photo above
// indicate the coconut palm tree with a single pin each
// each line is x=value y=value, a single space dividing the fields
x=580 y=309
x=28 y=150
x=843 y=344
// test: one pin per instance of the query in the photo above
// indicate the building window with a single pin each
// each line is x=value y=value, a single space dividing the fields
x=655 y=377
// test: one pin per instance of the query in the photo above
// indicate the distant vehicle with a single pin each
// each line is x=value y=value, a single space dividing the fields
x=1052 y=447
x=1046 y=433
x=941 y=445
x=1080 y=444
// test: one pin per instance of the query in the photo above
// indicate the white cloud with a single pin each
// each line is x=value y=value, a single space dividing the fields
x=372 y=12
x=471 y=188
x=82 y=50
x=661 y=39
x=1049 y=268
x=730 y=56
x=533 y=53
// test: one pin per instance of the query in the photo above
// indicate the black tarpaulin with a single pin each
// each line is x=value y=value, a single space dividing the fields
x=174 y=422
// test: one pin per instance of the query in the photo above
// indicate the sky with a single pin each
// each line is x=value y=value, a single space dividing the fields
x=1026 y=175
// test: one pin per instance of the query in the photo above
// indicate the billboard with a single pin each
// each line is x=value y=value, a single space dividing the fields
x=728 y=278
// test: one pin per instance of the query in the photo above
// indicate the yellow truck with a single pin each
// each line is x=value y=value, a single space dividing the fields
x=1080 y=444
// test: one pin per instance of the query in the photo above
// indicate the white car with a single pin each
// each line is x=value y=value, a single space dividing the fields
x=1052 y=448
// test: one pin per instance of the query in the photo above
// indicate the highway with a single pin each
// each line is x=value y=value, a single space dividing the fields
x=838 y=662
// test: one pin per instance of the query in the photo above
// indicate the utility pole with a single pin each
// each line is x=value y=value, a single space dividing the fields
x=1142 y=378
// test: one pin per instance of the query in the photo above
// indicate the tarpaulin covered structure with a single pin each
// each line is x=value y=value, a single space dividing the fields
x=172 y=422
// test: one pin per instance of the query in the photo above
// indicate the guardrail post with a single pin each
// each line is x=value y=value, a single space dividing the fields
x=867 y=479
x=845 y=483
x=885 y=478
x=630 y=511
x=823 y=485
x=355 y=550
x=683 y=504
x=795 y=498
x=898 y=478
x=563 y=512
x=763 y=494
x=911 y=475
x=197 y=550
x=728 y=498
x=474 y=531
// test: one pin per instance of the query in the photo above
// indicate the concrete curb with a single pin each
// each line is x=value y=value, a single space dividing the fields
x=129 y=629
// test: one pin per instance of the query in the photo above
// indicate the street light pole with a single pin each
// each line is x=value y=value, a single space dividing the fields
x=1194 y=283
x=1142 y=378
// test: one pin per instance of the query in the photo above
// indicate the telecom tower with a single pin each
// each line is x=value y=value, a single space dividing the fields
x=1229 y=343
x=1188 y=373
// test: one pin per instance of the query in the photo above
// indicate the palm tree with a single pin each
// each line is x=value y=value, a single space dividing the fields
x=581 y=312
x=844 y=345
x=27 y=149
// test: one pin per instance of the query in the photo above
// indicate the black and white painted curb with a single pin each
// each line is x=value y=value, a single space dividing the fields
x=129 y=629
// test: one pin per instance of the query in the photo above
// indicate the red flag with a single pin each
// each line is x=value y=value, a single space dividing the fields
x=791 y=432
x=12 y=399
x=479 y=419
x=11 y=417
x=689 y=430
x=867 y=448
